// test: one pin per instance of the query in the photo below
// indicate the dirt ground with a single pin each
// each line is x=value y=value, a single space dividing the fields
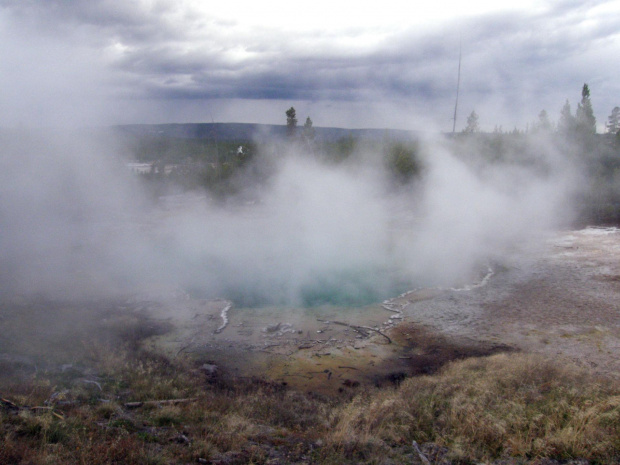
x=562 y=301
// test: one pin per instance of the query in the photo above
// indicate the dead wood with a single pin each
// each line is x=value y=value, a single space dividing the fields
x=51 y=410
x=377 y=331
x=131 y=405
x=360 y=329
x=12 y=406
x=356 y=328
x=8 y=404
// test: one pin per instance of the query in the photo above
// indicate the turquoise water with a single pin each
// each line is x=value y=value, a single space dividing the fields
x=347 y=288
x=351 y=290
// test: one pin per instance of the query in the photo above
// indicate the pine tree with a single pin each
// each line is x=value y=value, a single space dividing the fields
x=613 y=121
x=472 y=124
x=566 y=124
x=291 y=122
x=585 y=114
x=543 y=121
x=308 y=130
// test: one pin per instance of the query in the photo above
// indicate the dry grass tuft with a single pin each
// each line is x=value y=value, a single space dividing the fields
x=499 y=406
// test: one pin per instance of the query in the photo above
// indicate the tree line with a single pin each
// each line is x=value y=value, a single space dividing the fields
x=231 y=170
x=582 y=122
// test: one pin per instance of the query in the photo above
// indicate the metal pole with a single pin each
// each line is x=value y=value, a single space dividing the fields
x=458 y=85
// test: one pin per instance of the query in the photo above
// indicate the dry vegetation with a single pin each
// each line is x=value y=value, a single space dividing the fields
x=506 y=408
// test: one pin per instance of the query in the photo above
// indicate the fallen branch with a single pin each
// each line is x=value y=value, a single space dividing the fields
x=356 y=328
x=51 y=410
x=317 y=372
x=377 y=331
x=160 y=402
x=7 y=403
x=361 y=328
x=11 y=405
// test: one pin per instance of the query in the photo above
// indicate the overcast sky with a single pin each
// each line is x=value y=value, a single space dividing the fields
x=343 y=63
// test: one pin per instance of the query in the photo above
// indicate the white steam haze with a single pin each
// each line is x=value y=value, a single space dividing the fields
x=74 y=222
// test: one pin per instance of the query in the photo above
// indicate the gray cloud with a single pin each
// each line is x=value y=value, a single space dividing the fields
x=514 y=64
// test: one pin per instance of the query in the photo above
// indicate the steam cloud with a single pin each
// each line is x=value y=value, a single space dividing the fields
x=75 y=222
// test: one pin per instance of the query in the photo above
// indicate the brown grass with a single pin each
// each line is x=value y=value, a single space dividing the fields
x=499 y=406
x=480 y=409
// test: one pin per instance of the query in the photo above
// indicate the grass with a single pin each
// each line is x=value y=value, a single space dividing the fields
x=508 y=406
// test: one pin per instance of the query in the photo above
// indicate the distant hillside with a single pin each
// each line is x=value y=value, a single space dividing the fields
x=258 y=132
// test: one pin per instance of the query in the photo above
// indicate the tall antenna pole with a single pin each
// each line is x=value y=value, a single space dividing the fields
x=458 y=85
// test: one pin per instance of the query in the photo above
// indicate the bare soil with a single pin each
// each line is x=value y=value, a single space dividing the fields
x=562 y=301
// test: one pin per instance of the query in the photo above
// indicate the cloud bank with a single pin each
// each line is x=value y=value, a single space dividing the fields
x=141 y=61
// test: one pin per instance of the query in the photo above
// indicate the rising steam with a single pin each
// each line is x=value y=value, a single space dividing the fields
x=75 y=222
